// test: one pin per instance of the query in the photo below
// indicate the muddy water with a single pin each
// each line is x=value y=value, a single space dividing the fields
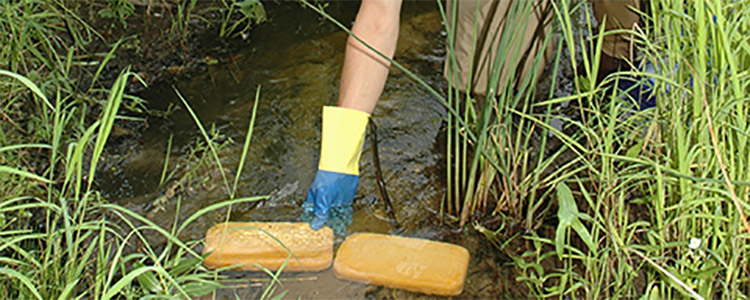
x=296 y=59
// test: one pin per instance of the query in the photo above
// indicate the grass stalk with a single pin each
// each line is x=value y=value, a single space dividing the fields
x=61 y=241
x=209 y=142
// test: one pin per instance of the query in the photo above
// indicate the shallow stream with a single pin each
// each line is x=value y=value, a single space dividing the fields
x=296 y=59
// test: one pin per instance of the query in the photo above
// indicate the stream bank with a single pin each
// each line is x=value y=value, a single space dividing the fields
x=297 y=65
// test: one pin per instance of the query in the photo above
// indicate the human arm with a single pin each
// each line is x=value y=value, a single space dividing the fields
x=362 y=79
x=364 y=73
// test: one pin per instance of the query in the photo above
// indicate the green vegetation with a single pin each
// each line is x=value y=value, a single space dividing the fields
x=83 y=249
x=627 y=204
x=647 y=182
x=641 y=184
x=59 y=239
x=251 y=11
x=648 y=203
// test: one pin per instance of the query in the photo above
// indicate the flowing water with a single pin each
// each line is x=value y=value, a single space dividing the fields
x=296 y=58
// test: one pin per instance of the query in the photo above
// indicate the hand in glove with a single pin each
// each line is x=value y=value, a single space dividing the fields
x=329 y=199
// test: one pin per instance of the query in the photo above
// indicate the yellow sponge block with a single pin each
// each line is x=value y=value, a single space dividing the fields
x=403 y=263
x=254 y=244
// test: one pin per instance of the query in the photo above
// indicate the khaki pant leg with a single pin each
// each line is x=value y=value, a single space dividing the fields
x=475 y=49
x=620 y=14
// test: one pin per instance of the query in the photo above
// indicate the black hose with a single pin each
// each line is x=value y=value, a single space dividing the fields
x=379 y=174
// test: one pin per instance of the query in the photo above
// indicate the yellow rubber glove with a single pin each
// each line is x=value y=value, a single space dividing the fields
x=335 y=184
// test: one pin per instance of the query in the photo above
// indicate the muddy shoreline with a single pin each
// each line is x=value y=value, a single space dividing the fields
x=154 y=43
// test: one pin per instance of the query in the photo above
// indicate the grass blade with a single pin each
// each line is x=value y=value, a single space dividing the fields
x=29 y=175
x=25 y=280
x=209 y=142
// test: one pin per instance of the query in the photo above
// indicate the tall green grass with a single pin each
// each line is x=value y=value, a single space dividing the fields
x=651 y=181
x=494 y=169
x=649 y=204
x=59 y=239
x=81 y=247
x=645 y=204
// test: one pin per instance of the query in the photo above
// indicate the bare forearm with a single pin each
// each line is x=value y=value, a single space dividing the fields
x=365 y=72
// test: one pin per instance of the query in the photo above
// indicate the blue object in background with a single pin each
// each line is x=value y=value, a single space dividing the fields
x=640 y=90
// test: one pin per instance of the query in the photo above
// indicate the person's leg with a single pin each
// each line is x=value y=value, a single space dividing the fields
x=616 y=48
x=478 y=33
x=619 y=50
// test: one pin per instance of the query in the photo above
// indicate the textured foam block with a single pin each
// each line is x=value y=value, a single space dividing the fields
x=403 y=263
x=248 y=244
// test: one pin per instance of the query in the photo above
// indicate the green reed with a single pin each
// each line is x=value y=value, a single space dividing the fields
x=632 y=188
x=59 y=239
x=239 y=16
x=81 y=251
x=647 y=182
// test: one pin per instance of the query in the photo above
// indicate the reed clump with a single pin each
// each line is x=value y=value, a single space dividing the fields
x=59 y=238
x=646 y=203
x=652 y=202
